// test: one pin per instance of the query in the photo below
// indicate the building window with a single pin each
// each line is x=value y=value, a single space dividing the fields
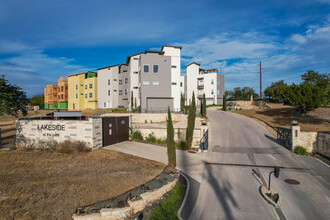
x=90 y=95
x=173 y=66
x=126 y=91
x=120 y=82
x=218 y=82
x=86 y=86
x=77 y=86
x=155 y=83
x=180 y=84
x=218 y=92
x=120 y=92
x=76 y=95
x=136 y=72
x=212 y=82
x=115 y=80
x=135 y=87
x=109 y=92
x=105 y=104
x=109 y=82
x=174 y=83
x=155 y=68
x=73 y=106
x=114 y=90
x=90 y=85
x=81 y=93
x=212 y=92
x=146 y=83
x=80 y=85
x=135 y=58
x=126 y=80
x=85 y=95
x=146 y=68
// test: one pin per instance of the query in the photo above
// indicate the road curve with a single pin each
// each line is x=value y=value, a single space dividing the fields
x=232 y=192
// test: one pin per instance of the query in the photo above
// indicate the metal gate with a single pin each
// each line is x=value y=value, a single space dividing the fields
x=115 y=130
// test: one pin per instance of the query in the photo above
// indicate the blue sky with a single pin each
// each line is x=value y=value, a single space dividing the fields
x=43 y=40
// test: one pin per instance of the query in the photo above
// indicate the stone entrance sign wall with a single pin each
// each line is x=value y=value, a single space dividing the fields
x=36 y=131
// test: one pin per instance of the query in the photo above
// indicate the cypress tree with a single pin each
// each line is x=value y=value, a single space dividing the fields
x=170 y=142
x=182 y=102
x=132 y=101
x=224 y=102
x=191 y=122
x=204 y=106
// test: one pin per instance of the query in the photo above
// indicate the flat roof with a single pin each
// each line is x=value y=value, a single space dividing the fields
x=128 y=58
x=193 y=63
x=67 y=114
x=178 y=47
x=107 y=67
x=76 y=74
x=154 y=51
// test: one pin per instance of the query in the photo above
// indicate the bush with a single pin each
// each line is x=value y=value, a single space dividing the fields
x=183 y=145
x=137 y=136
x=301 y=150
x=151 y=138
x=68 y=146
x=169 y=207
x=161 y=141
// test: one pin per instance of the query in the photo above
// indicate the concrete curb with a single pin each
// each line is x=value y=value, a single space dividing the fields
x=315 y=159
x=185 y=196
x=264 y=190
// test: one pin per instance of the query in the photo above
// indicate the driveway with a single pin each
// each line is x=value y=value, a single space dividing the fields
x=188 y=163
x=230 y=189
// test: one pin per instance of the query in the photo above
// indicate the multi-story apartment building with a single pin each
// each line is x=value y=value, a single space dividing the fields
x=155 y=82
x=56 y=96
x=124 y=86
x=202 y=81
x=83 y=91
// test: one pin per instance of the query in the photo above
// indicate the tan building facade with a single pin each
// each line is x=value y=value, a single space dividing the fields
x=82 y=91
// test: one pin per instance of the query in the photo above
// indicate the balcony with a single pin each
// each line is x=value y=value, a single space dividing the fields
x=200 y=86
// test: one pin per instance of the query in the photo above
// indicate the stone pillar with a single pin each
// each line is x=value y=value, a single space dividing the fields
x=295 y=135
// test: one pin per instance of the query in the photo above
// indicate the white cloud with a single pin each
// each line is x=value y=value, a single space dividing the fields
x=237 y=55
x=33 y=70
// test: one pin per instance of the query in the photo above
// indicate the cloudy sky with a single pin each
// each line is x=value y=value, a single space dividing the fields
x=43 y=40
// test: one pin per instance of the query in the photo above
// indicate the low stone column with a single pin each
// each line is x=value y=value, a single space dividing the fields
x=295 y=135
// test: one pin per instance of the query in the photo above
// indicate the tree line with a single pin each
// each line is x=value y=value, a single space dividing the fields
x=313 y=92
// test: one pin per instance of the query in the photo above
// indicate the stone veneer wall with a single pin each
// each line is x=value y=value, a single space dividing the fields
x=316 y=142
x=138 y=118
x=89 y=131
x=323 y=144
x=162 y=133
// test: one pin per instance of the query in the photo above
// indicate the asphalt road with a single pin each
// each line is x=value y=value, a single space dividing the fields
x=228 y=191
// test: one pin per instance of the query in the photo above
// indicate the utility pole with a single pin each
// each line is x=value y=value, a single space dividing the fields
x=260 y=82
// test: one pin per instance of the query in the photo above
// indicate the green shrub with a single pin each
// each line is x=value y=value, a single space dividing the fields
x=169 y=207
x=183 y=145
x=301 y=150
x=161 y=141
x=137 y=136
x=151 y=138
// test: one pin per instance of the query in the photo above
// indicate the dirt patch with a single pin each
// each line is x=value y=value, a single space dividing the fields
x=282 y=116
x=44 y=185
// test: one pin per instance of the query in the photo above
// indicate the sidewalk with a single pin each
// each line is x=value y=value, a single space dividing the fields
x=188 y=163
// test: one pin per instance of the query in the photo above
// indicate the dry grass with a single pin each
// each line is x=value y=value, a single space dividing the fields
x=43 y=185
x=281 y=116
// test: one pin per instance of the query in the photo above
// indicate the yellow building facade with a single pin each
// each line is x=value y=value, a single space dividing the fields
x=82 y=91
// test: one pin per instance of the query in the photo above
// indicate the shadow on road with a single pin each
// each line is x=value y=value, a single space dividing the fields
x=222 y=192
